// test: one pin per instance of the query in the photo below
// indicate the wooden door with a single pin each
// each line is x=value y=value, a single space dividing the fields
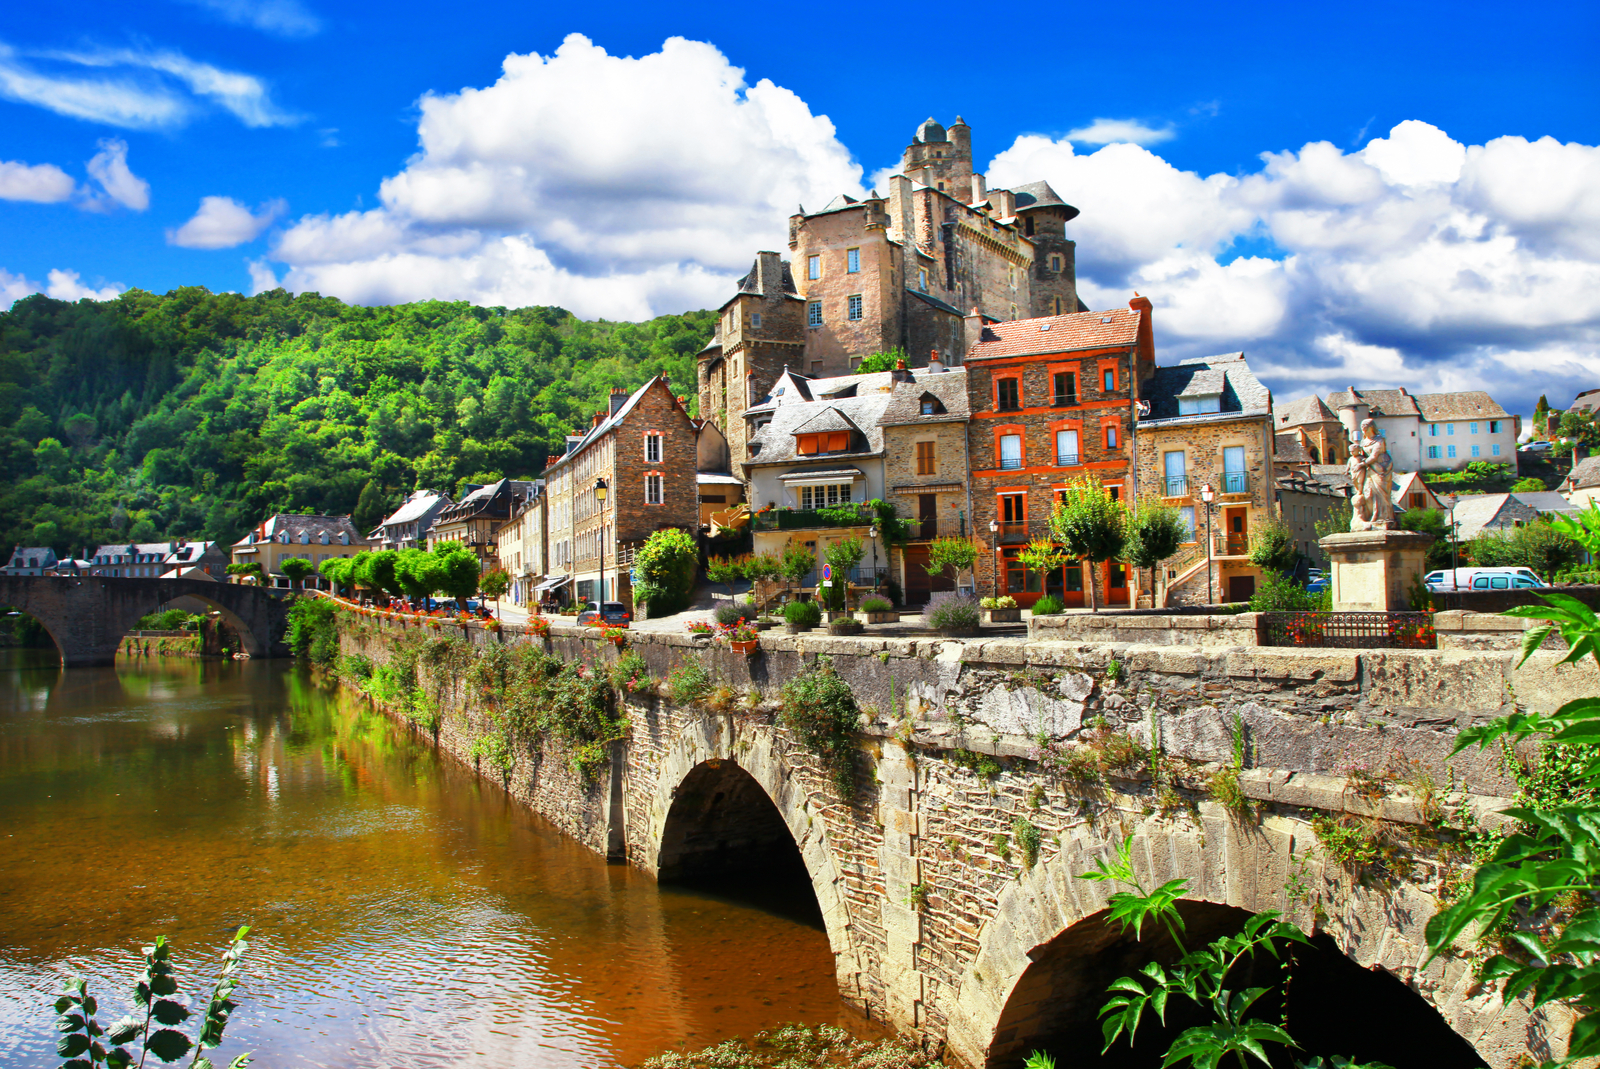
x=1241 y=587
x=1236 y=525
x=928 y=514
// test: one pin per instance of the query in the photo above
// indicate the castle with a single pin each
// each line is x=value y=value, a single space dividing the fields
x=905 y=270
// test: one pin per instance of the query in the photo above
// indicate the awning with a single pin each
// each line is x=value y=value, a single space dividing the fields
x=930 y=488
x=834 y=474
x=551 y=584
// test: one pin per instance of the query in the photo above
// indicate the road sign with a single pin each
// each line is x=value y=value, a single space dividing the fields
x=827 y=572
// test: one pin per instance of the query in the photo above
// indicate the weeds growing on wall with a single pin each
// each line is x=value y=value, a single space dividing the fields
x=819 y=707
x=798 y=1046
x=313 y=633
x=689 y=682
x=1028 y=839
x=980 y=764
x=630 y=673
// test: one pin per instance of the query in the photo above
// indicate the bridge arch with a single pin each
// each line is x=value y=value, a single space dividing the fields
x=724 y=789
x=1046 y=954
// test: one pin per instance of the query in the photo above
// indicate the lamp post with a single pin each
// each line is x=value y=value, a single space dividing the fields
x=1208 y=495
x=872 y=540
x=994 y=536
x=600 y=492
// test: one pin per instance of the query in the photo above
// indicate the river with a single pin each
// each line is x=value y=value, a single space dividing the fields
x=404 y=912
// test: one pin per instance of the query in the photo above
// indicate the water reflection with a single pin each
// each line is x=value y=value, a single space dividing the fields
x=406 y=914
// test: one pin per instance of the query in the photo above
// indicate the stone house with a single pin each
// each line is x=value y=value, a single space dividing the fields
x=1315 y=427
x=1304 y=502
x=644 y=451
x=195 y=560
x=154 y=560
x=476 y=518
x=888 y=272
x=1582 y=484
x=1052 y=400
x=30 y=560
x=1434 y=431
x=1209 y=426
x=308 y=537
x=1408 y=491
x=520 y=546
x=1476 y=513
x=409 y=526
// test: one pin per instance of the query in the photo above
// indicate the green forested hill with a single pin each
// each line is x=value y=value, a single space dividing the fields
x=196 y=414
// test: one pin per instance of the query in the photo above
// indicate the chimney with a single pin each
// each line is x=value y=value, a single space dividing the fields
x=900 y=373
x=1145 y=360
x=596 y=420
x=902 y=228
x=935 y=365
x=980 y=189
x=769 y=274
x=619 y=397
x=973 y=324
x=1005 y=203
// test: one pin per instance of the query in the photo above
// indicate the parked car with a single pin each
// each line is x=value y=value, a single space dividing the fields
x=1444 y=580
x=1505 y=582
x=1537 y=447
x=1318 y=584
x=613 y=613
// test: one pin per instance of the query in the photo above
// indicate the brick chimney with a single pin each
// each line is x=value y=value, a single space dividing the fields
x=769 y=274
x=597 y=419
x=1146 y=346
x=935 y=364
x=972 y=328
x=1004 y=203
x=619 y=397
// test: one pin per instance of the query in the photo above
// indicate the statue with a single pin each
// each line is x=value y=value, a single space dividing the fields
x=1371 y=507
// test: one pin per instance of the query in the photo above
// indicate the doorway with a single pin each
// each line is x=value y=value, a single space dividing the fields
x=1241 y=587
x=1236 y=531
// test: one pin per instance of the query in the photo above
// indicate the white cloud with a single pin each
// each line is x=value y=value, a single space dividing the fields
x=13 y=288
x=64 y=286
x=222 y=223
x=141 y=90
x=262 y=277
x=42 y=183
x=109 y=167
x=617 y=186
x=1109 y=131
x=282 y=18
x=1415 y=261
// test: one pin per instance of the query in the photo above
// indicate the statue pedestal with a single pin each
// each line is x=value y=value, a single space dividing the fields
x=1373 y=571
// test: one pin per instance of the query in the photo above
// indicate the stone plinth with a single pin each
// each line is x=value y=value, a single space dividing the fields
x=1373 y=571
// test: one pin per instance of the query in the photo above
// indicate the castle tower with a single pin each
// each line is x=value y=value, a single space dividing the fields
x=941 y=159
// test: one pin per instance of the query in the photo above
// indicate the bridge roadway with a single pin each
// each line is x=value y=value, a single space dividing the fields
x=87 y=616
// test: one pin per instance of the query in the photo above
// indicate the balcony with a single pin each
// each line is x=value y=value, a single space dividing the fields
x=1177 y=486
x=1230 y=545
x=1068 y=460
x=1010 y=463
x=804 y=519
x=1235 y=482
x=1013 y=533
x=1065 y=400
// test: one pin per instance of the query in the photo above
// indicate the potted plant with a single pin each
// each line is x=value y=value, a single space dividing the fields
x=845 y=624
x=741 y=636
x=877 y=610
x=801 y=616
x=539 y=626
x=953 y=615
x=1001 y=610
x=700 y=629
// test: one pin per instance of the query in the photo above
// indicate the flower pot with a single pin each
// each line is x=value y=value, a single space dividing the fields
x=847 y=626
x=959 y=632
x=795 y=629
x=746 y=647
x=1002 y=616
x=878 y=617
x=829 y=615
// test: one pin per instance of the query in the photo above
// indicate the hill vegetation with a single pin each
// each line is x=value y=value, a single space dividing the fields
x=196 y=414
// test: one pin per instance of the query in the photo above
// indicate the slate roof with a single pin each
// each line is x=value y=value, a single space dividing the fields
x=1547 y=501
x=1378 y=402
x=1585 y=473
x=302 y=529
x=1477 y=512
x=935 y=302
x=949 y=388
x=1467 y=404
x=1301 y=411
x=416 y=506
x=829 y=419
x=1116 y=329
x=1289 y=449
x=863 y=412
x=1040 y=195
x=1333 y=475
x=750 y=282
x=1586 y=401
x=1228 y=375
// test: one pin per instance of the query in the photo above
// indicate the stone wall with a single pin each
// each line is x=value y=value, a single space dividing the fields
x=939 y=920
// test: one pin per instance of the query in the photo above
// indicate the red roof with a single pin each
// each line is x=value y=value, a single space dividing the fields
x=1116 y=329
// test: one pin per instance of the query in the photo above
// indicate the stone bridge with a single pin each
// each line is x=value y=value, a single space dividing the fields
x=992 y=775
x=86 y=616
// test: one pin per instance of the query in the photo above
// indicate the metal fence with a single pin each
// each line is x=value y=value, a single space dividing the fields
x=1348 y=630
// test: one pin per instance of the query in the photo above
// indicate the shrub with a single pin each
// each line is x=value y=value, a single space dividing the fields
x=848 y=625
x=630 y=672
x=689 y=682
x=952 y=611
x=819 y=707
x=802 y=613
x=876 y=605
x=1049 y=605
x=731 y=612
x=989 y=603
x=1278 y=593
x=665 y=567
x=312 y=633
x=1005 y=601
x=1029 y=840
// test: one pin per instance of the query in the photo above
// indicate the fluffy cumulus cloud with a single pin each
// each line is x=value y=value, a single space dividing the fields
x=616 y=186
x=120 y=185
x=62 y=285
x=42 y=183
x=1414 y=261
x=222 y=223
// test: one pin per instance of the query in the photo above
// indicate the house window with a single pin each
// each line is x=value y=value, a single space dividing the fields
x=1194 y=406
x=1008 y=394
x=925 y=459
x=816 y=497
x=1433 y=430
x=853 y=302
x=1011 y=277
x=1010 y=451
x=832 y=442
x=1013 y=508
x=814 y=314
x=1058 y=306
x=755 y=319
x=1433 y=452
x=1055 y=264
x=1494 y=426
x=1186 y=513
x=852 y=259
x=1449 y=428
x=1177 y=478
x=652 y=448
x=1450 y=450
x=1109 y=379
x=922 y=279
x=1067 y=448
x=1476 y=451
x=1111 y=435
x=813 y=267
x=1472 y=428
x=1494 y=450
x=1066 y=387
x=652 y=489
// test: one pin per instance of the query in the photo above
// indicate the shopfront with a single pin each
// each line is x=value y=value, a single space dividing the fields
x=1065 y=582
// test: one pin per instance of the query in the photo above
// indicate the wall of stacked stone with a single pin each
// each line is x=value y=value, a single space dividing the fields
x=964 y=739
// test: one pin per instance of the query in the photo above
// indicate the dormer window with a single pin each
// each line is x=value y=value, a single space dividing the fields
x=833 y=442
x=1199 y=404
x=324 y=537
x=931 y=405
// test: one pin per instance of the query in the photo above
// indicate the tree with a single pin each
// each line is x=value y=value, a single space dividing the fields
x=796 y=563
x=953 y=555
x=248 y=570
x=882 y=361
x=725 y=570
x=46 y=533
x=1538 y=545
x=459 y=572
x=1089 y=524
x=1433 y=522
x=375 y=571
x=336 y=570
x=1272 y=546
x=1577 y=426
x=52 y=459
x=417 y=571
x=843 y=555
x=495 y=584
x=1156 y=531
x=295 y=569
x=1041 y=556
x=370 y=507
x=665 y=567
x=1337 y=521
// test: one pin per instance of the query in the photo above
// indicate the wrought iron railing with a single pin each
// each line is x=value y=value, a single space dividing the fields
x=1067 y=460
x=1012 y=533
x=1230 y=545
x=1235 y=482
x=1010 y=463
x=1066 y=400
x=1348 y=630
x=800 y=519
x=1177 y=487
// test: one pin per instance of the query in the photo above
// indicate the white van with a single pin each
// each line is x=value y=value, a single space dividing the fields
x=1445 y=579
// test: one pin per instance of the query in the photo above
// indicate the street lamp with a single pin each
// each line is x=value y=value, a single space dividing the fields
x=994 y=536
x=872 y=540
x=600 y=492
x=1208 y=495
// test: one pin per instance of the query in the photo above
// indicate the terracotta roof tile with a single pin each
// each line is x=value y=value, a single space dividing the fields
x=1467 y=404
x=1116 y=329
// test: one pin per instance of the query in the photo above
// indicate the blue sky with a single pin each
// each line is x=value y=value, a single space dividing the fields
x=1328 y=262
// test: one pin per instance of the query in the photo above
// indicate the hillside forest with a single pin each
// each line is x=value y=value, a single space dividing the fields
x=196 y=414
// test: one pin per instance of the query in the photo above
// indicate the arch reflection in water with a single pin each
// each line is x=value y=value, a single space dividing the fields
x=405 y=912
x=1334 y=1006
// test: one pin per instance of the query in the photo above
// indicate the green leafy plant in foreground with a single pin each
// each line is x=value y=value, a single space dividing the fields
x=85 y=1042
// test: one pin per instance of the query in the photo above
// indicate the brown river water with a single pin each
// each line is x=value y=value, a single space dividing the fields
x=404 y=912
